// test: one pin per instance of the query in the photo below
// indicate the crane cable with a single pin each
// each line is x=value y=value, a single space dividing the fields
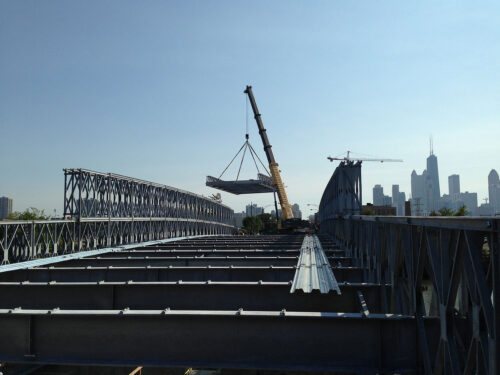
x=244 y=148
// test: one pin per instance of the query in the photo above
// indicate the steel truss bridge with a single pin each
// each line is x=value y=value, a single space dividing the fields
x=418 y=295
x=110 y=210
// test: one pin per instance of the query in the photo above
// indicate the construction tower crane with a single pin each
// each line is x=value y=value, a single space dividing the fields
x=286 y=208
x=348 y=158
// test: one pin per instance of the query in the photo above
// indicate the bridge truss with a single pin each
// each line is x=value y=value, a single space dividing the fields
x=443 y=269
x=106 y=210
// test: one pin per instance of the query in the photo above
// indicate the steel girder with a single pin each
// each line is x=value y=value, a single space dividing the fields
x=25 y=240
x=343 y=193
x=94 y=194
x=178 y=295
x=215 y=339
x=210 y=316
x=446 y=268
x=107 y=210
x=148 y=273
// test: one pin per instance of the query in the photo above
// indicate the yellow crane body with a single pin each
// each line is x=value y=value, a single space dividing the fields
x=286 y=208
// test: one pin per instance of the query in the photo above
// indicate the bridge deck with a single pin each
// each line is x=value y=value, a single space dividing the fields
x=214 y=302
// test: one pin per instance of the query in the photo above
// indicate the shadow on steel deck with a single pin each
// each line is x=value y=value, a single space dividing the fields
x=217 y=302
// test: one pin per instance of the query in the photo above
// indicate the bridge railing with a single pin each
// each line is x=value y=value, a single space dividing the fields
x=95 y=194
x=446 y=268
x=25 y=240
x=443 y=270
x=106 y=210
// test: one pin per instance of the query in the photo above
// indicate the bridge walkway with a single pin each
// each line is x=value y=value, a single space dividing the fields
x=214 y=302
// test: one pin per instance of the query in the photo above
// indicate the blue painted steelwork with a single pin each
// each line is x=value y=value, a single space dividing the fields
x=447 y=268
x=61 y=258
x=109 y=210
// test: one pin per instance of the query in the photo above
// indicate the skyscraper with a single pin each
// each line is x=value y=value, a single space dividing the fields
x=432 y=192
x=5 y=207
x=494 y=190
x=418 y=201
x=297 y=213
x=253 y=210
x=454 y=185
x=398 y=200
x=378 y=195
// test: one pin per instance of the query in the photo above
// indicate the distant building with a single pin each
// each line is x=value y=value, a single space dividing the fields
x=378 y=195
x=425 y=191
x=238 y=219
x=407 y=208
x=253 y=210
x=486 y=209
x=387 y=201
x=5 y=207
x=454 y=185
x=432 y=183
x=395 y=197
x=280 y=213
x=398 y=200
x=419 y=206
x=494 y=190
x=380 y=210
x=469 y=200
x=297 y=213
x=455 y=201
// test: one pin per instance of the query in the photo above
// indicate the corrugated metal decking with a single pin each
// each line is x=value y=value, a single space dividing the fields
x=313 y=269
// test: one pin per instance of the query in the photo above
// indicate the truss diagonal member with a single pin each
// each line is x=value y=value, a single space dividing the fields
x=313 y=269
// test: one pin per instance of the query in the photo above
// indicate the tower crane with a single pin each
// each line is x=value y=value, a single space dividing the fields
x=278 y=184
x=349 y=158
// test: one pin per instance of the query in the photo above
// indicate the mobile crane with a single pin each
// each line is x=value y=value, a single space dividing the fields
x=273 y=165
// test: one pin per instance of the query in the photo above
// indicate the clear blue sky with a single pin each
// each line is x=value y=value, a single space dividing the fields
x=154 y=90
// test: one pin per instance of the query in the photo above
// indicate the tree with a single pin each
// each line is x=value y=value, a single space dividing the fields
x=443 y=211
x=31 y=213
x=368 y=211
x=462 y=211
x=269 y=223
x=252 y=224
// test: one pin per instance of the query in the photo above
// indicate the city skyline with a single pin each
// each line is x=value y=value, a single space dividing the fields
x=156 y=92
x=425 y=194
x=270 y=201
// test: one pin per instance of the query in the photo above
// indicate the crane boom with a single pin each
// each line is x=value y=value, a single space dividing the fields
x=286 y=208
x=348 y=158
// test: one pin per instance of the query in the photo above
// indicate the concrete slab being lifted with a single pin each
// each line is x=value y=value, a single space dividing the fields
x=263 y=184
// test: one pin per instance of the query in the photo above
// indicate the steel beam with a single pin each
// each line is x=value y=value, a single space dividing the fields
x=233 y=339
x=269 y=273
x=264 y=296
x=198 y=261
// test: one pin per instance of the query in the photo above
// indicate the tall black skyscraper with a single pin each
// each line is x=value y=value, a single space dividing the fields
x=432 y=192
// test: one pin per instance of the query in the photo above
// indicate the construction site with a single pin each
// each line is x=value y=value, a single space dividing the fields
x=144 y=278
